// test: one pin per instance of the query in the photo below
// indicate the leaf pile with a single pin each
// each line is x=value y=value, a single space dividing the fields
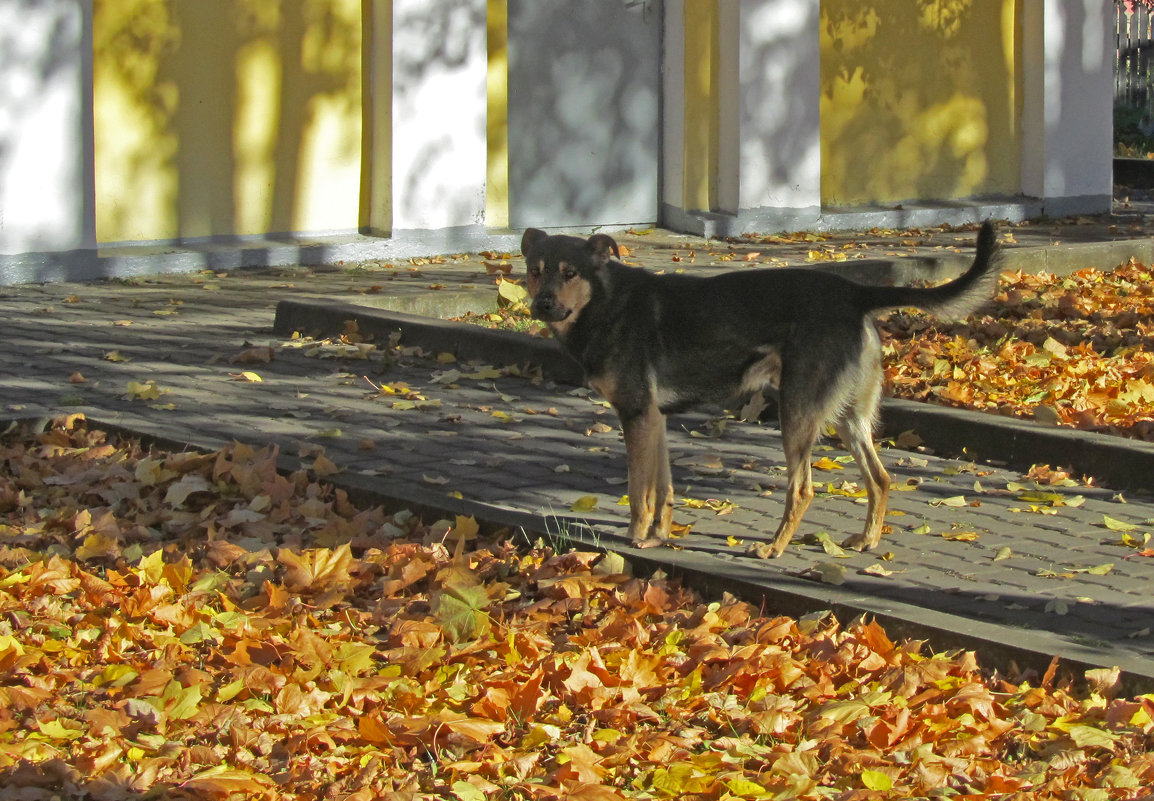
x=199 y=626
x=1077 y=351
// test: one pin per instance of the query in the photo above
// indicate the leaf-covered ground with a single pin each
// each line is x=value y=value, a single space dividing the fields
x=179 y=625
x=1076 y=351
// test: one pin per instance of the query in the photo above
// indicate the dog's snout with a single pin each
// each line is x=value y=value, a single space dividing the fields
x=543 y=305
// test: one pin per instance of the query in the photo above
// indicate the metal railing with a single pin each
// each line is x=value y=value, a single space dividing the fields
x=1134 y=57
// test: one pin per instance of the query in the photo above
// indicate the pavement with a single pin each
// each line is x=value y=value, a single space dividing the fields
x=449 y=419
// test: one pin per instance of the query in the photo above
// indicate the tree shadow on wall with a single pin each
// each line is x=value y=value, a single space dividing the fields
x=584 y=83
x=917 y=102
x=223 y=97
x=36 y=56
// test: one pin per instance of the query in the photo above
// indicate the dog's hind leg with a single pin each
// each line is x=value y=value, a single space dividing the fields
x=650 y=493
x=857 y=436
x=798 y=433
x=818 y=377
x=855 y=428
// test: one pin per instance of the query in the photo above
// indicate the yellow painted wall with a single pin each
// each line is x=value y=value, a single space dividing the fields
x=918 y=100
x=222 y=117
x=497 y=119
x=702 y=72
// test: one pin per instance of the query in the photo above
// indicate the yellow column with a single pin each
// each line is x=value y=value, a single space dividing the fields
x=497 y=124
x=702 y=32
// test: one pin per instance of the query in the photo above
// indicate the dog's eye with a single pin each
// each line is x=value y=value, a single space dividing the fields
x=535 y=271
x=568 y=273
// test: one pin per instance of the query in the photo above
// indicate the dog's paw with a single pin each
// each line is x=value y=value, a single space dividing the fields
x=765 y=550
x=645 y=542
x=858 y=542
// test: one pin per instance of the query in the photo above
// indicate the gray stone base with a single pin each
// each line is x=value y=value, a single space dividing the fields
x=230 y=253
x=861 y=218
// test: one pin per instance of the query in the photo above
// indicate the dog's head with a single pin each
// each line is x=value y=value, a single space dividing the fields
x=562 y=272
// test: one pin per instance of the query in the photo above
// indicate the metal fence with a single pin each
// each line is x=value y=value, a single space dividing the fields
x=1134 y=59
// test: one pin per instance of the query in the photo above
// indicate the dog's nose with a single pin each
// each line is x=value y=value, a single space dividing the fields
x=543 y=305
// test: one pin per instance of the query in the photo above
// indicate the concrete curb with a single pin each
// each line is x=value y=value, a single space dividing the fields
x=1112 y=461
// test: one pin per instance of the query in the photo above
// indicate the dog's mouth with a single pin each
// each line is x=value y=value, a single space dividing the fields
x=551 y=315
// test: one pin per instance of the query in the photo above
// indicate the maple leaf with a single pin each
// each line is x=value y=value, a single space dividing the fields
x=317 y=569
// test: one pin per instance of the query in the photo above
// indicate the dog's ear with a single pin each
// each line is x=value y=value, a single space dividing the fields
x=602 y=245
x=530 y=239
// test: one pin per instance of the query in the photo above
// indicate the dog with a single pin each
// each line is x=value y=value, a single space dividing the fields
x=655 y=344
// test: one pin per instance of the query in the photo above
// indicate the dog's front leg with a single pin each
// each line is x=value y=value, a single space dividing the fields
x=650 y=490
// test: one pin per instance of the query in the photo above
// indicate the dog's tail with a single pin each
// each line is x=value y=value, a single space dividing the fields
x=953 y=300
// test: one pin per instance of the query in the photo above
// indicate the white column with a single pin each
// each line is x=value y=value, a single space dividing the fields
x=673 y=103
x=1067 y=115
x=46 y=187
x=438 y=114
x=777 y=158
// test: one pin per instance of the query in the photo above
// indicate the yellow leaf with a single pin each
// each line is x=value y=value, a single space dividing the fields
x=478 y=729
x=10 y=645
x=247 y=375
x=511 y=294
x=830 y=573
x=98 y=546
x=187 y=701
x=876 y=780
x=829 y=546
x=222 y=781
x=586 y=503
x=744 y=788
x=137 y=390
x=1117 y=525
x=826 y=463
x=467 y=792
x=58 y=731
x=179 y=491
x=466 y=527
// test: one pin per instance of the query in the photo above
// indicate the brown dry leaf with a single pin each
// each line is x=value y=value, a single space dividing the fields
x=253 y=356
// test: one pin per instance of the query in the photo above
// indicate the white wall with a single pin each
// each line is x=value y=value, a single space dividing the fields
x=1067 y=121
x=780 y=136
x=439 y=112
x=45 y=126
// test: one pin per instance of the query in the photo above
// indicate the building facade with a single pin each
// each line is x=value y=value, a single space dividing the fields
x=154 y=135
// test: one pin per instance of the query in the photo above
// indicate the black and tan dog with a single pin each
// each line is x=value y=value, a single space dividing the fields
x=654 y=344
